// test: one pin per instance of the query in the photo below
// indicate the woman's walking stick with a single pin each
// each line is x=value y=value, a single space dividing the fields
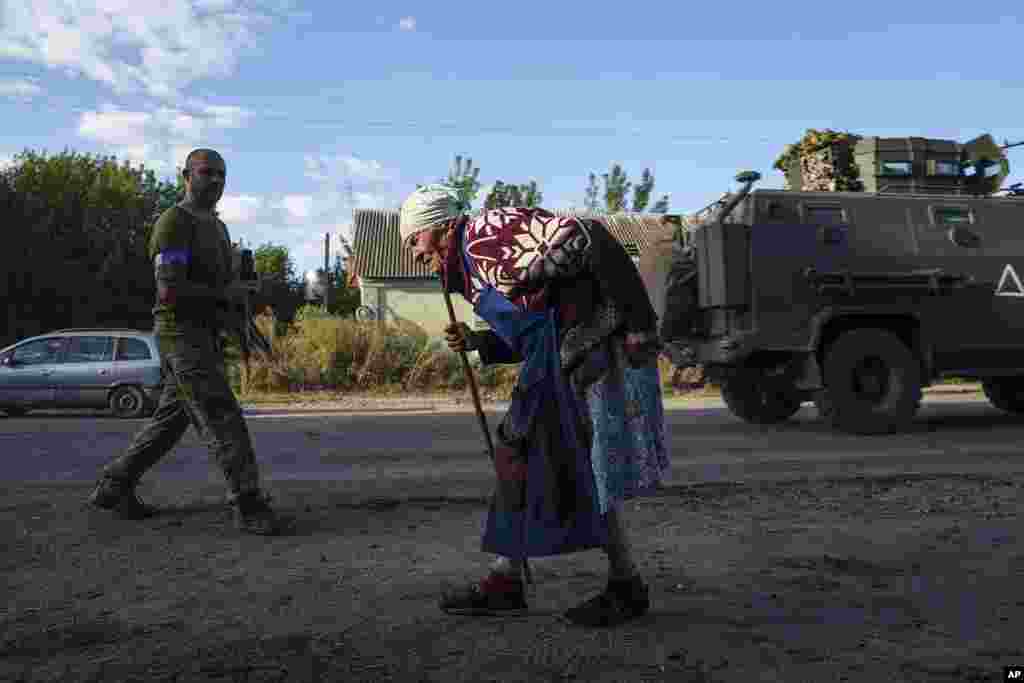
x=471 y=380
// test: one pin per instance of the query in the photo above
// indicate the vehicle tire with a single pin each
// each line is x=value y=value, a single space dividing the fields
x=872 y=383
x=756 y=398
x=14 y=412
x=1005 y=393
x=821 y=404
x=128 y=402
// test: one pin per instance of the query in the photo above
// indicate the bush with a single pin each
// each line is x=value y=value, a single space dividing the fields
x=331 y=352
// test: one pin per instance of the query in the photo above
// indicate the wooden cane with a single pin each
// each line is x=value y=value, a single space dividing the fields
x=471 y=380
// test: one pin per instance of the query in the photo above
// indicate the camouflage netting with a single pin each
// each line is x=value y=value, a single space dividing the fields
x=823 y=162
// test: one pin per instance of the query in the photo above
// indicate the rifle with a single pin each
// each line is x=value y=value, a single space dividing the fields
x=249 y=336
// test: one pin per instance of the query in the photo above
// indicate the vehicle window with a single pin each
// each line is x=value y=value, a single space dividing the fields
x=943 y=168
x=951 y=215
x=89 y=350
x=132 y=349
x=988 y=167
x=39 y=352
x=825 y=215
x=896 y=168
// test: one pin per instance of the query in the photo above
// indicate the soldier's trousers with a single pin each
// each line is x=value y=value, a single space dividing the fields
x=196 y=392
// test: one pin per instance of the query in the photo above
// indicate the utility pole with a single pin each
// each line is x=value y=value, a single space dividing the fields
x=327 y=270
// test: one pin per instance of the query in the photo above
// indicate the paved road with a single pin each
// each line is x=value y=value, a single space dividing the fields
x=912 y=579
x=951 y=434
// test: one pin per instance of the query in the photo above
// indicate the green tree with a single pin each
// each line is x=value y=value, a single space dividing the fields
x=592 y=200
x=466 y=179
x=642 y=195
x=523 y=195
x=283 y=292
x=344 y=297
x=616 y=192
x=80 y=243
x=616 y=189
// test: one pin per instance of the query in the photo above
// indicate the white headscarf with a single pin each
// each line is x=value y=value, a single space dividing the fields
x=428 y=206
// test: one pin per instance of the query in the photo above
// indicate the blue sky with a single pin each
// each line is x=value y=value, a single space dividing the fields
x=323 y=106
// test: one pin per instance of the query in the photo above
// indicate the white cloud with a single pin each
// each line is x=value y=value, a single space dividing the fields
x=345 y=168
x=298 y=206
x=240 y=208
x=134 y=45
x=20 y=89
x=407 y=24
x=299 y=221
x=161 y=138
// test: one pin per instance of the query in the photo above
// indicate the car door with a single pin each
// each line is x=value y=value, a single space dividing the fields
x=27 y=378
x=85 y=373
x=136 y=363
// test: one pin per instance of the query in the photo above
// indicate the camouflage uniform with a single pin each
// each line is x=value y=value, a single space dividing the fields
x=189 y=246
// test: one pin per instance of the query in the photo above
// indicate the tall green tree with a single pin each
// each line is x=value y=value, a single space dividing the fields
x=526 y=195
x=592 y=200
x=284 y=291
x=78 y=254
x=344 y=298
x=616 y=192
x=616 y=189
x=465 y=178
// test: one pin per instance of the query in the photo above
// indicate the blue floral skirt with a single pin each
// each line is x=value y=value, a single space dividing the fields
x=629 y=448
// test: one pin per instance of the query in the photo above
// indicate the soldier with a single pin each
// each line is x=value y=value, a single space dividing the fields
x=585 y=430
x=196 y=297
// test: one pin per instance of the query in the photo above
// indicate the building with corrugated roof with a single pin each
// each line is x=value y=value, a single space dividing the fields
x=395 y=288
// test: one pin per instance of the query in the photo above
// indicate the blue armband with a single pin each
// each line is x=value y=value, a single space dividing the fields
x=169 y=257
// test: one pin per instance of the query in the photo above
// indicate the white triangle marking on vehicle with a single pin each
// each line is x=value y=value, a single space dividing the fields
x=1015 y=287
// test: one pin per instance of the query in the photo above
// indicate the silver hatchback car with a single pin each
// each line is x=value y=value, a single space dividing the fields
x=82 y=368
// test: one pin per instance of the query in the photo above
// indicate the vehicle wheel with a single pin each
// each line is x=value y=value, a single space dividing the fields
x=1005 y=393
x=128 y=402
x=872 y=383
x=14 y=412
x=754 y=397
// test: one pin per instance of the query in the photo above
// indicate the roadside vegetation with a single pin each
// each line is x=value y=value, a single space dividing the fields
x=322 y=354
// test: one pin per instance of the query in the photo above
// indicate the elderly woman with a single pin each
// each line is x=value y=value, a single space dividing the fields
x=585 y=430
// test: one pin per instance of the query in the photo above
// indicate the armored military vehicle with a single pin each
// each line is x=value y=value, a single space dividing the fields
x=855 y=300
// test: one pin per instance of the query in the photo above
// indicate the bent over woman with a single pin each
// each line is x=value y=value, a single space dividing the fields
x=585 y=429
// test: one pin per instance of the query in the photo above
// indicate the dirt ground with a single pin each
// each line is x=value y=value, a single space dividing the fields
x=903 y=579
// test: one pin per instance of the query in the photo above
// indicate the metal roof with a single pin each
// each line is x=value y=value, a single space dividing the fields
x=377 y=251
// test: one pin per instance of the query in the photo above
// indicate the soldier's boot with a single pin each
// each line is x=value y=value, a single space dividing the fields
x=253 y=515
x=119 y=496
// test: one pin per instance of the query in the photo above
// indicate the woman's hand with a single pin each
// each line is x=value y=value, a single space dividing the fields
x=460 y=337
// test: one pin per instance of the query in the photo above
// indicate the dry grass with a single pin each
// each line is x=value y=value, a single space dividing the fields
x=323 y=356
x=324 y=353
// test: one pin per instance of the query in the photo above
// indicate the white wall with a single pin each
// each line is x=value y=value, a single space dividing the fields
x=417 y=301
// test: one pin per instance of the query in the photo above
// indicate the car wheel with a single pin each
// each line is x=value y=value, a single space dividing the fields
x=1005 y=393
x=128 y=402
x=754 y=397
x=14 y=412
x=872 y=383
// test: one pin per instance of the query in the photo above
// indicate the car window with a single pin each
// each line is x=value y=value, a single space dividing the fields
x=132 y=349
x=39 y=352
x=896 y=168
x=89 y=350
